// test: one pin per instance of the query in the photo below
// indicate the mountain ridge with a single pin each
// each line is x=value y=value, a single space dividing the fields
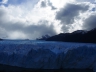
x=80 y=36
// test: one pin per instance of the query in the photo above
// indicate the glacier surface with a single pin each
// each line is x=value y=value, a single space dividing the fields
x=47 y=55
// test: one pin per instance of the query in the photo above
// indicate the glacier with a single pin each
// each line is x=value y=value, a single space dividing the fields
x=47 y=54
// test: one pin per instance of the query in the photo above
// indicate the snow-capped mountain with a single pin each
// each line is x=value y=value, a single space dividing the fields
x=47 y=55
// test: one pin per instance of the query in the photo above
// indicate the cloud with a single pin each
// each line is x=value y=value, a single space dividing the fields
x=43 y=4
x=51 y=5
x=3 y=33
x=15 y=25
x=18 y=30
x=68 y=14
x=21 y=30
x=90 y=22
x=86 y=1
x=39 y=30
x=47 y=3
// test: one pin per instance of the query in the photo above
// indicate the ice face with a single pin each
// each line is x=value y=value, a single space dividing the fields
x=47 y=55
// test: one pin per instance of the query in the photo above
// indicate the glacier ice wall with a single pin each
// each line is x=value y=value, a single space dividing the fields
x=47 y=55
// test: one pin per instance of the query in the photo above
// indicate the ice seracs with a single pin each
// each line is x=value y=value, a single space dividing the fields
x=47 y=55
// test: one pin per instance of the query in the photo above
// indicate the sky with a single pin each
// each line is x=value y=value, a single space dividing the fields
x=31 y=19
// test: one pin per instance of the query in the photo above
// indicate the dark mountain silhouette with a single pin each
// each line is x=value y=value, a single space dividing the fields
x=76 y=36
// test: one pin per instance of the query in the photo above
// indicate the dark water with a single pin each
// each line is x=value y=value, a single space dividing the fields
x=7 y=68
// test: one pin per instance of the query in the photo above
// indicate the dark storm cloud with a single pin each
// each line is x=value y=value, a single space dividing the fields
x=90 y=22
x=43 y=4
x=68 y=14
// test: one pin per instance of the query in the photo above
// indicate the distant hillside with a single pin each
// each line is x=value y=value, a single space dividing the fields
x=76 y=36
